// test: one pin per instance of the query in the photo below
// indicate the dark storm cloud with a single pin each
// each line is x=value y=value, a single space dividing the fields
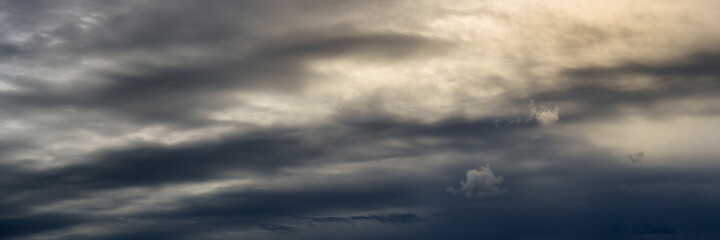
x=9 y=50
x=19 y=226
x=173 y=24
x=575 y=196
x=9 y=146
x=152 y=27
x=264 y=152
x=278 y=212
x=386 y=218
x=236 y=54
x=148 y=165
x=572 y=196
x=601 y=91
x=269 y=151
x=126 y=26
x=358 y=174
x=262 y=205
x=701 y=64
x=188 y=91
x=277 y=228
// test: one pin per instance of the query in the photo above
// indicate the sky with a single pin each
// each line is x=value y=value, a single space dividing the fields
x=359 y=119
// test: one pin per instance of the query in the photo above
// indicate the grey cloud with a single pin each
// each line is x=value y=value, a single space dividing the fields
x=600 y=93
x=268 y=150
x=637 y=157
x=110 y=72
x=9 y=50
x=278 y=228
x=567 y=185
x=149 y=165
x=700 y=64
x=18 y=226
x=186 y=92
x=383 y=218
x=236 y=55
x=220 y=212
x=479 y=183
x=264 y=153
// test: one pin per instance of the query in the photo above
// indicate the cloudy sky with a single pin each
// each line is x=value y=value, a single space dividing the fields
x=359 y=119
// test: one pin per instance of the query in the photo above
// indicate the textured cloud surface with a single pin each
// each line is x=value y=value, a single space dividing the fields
x=479 y=183
x=321 y=119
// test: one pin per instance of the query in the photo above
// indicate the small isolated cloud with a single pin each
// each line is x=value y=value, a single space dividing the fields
x=404 y=218
x=637 y=158
x=546 y=116
x=282 y=229
x=479 y=183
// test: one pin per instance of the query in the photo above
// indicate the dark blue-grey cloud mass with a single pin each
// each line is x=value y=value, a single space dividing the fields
x=323 y=119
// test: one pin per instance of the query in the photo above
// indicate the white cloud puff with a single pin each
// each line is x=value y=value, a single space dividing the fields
x=479 y=183
x=546 y=116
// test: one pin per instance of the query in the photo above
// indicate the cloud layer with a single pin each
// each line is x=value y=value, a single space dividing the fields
x=327 y=119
